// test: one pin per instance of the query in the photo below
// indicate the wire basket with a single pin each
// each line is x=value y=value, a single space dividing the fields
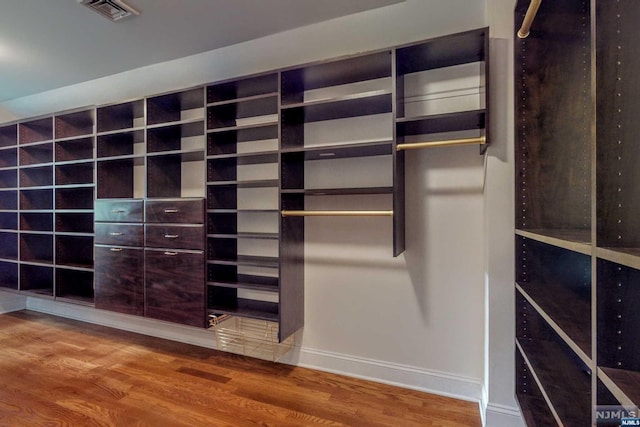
x=249 y=337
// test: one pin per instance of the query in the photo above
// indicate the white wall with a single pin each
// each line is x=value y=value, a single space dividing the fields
x=419 y=319
x=6 y=115
x=499 y=225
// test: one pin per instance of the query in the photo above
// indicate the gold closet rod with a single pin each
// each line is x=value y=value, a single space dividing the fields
x=336 y=213
x=449 y=142
x=523 y=32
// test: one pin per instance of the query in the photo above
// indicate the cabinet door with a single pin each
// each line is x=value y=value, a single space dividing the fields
x=174 y=286
x=119 y=279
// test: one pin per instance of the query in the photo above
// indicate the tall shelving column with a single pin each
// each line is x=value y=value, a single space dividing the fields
x=9 y=207
x=555 y=360
x=618 y=202
x=36 y=204
x=74 y=134
x=243 y=259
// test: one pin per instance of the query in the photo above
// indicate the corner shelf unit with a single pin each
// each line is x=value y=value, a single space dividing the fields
x=577 y=227
x=79 y=190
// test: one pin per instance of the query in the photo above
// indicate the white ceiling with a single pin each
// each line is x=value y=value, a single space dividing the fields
x=46 y=44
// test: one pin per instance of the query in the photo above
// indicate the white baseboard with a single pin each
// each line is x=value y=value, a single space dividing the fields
x=11 y=302
x=411 y=377
x=503 y=416
x=435 y=382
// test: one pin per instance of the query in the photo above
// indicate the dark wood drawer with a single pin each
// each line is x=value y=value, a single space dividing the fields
x=189 y=211
x=119 y=210
x=175 y=287
x=175 y=236
x=119 y=279
x=119 y=234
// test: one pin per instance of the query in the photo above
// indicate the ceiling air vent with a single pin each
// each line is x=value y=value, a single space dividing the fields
x=113 y=10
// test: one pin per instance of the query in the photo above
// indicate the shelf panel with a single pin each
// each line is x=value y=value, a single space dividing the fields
x=566 y=313
x=625 y=256
x=363 y=149
x=248 y=308
x=363 y=104
x=248 y=260
x=573 y=240
x=257 y=183
x=339 y=191
x=271 y=236
x=244 y=128
x=623 y=384
x=245 y=281
x=437 y=123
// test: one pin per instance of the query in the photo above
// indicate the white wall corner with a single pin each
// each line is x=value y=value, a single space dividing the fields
x=11 y=302
x=503 y=416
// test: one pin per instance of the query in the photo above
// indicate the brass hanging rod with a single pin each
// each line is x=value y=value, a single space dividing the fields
x=446 y=143
x=523 y=32
x=336 y=213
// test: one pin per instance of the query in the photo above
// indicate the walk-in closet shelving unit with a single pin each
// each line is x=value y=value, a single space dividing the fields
x=577 y=228
x=47 y=201
x=229 y=170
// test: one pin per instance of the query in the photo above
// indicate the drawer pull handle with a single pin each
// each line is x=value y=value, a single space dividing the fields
x=170 y=236
x=117 y=211
x=171 y=253
x=114 y=233
x=116 y=249
x=171 y=210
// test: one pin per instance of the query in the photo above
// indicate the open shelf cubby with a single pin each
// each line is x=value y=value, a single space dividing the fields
x=117 y=117
x=36 y=130
x=9 y=278
x=8 y=157
x=74 y=149
x=8 y=245
x=36 y=154
x=74 y=124
x=37 y=279
x=8 y=178
x=8 y=135
x=8 y=220
x=74 y=285
x=175 y=107
x=122 y=144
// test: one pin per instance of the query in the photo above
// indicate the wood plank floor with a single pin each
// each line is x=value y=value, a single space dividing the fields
x=60 y=372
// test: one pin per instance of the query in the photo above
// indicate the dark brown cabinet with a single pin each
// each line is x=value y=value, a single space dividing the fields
x=120 y=279
x=174 y=286
x=174 y=261
x=119 y=256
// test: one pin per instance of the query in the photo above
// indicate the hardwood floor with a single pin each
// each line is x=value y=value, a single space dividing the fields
x=60 y=372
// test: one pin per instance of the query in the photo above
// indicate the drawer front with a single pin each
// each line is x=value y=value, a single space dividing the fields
x=119 y=279
x=175 y=236
x=177 y=211
x=119 y=210
x=119 y=234
x=175 y=287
